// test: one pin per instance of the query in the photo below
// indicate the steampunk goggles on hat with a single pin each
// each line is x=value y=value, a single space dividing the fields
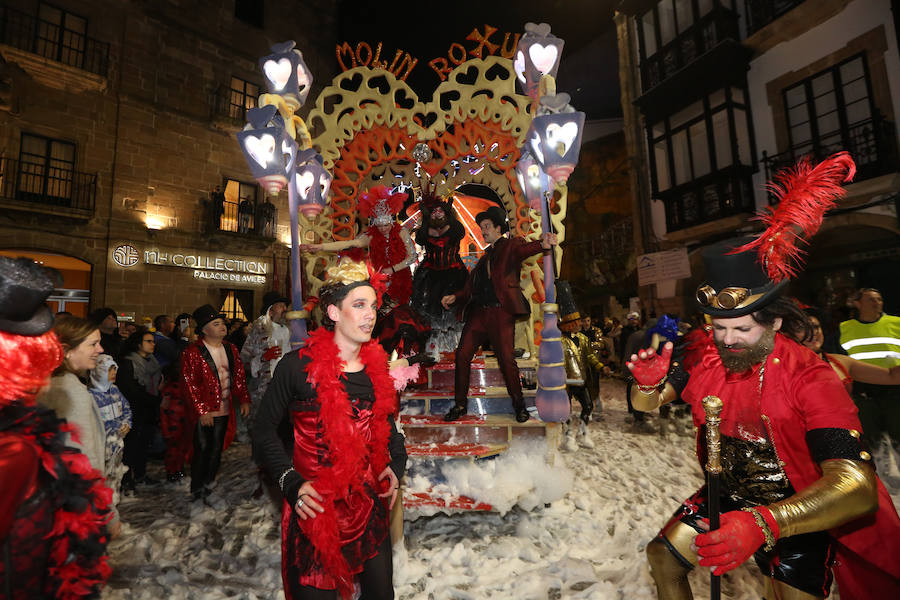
x=727 y=299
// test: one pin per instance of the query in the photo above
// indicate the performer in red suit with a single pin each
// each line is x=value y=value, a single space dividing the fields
x=213 y=383
x=799 y=489
x=54 y=507
x=491 y=302
x=391 y=250
x=340 y=466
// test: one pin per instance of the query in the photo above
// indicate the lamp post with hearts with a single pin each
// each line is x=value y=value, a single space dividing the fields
x=549 y=156
x=278 y=149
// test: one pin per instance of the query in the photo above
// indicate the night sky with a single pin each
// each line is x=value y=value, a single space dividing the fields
x=589 y=71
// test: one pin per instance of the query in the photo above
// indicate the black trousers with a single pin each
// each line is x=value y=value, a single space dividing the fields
x=144 y=416
x=208 y=443
x=376 y=581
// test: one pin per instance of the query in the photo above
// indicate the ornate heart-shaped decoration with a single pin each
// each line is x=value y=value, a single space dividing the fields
x=561 y=137
x=261 y=148
x=543 y=57
x=304 y=182
x=519 y=66
x=278 y=72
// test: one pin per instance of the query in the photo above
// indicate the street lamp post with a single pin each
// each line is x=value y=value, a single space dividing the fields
x=278 y=149
x=551 y=151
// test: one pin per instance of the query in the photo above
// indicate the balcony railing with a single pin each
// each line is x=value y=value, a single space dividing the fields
x=699 y=38
x=872 y=144
x=48 y=189
x=711 y=197
x=29 y=33
x=252 y=218
x=762 y=12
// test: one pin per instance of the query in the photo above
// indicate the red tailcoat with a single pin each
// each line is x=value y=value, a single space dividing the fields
x=800 y=393
x=505 y=272
x=200 y=385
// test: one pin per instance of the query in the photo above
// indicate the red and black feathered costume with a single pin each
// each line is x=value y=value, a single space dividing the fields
x=54 y=507
x=804 y=412
x=200 y=385
x=342 y=437
x=387 y=252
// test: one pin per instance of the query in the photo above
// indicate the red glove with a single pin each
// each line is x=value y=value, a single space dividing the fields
x=734 y=541
x=271 y=353
x=650 y=367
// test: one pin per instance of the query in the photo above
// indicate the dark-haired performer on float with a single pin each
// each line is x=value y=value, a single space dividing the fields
x=54 y=507
x=342 y=479
x=491 y=302
x=799 y=493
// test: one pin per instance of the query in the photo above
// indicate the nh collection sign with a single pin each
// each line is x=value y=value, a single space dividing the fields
x=214 y=267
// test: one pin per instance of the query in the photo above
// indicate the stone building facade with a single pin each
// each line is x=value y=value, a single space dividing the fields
x=720 y=95
x=117 y=123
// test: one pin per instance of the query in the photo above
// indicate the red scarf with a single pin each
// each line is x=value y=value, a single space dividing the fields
x=350 y=454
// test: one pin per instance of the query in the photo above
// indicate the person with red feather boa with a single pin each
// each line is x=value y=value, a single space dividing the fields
x=54 y=507
x=391 y=250
x=799 y=490
x=347 y=458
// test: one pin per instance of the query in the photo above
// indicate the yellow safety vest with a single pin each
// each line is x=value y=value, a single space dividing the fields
x=876 y=343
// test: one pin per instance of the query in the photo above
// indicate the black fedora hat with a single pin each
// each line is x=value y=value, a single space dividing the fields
x=204 y=315
x=273 y=297
x=24 y=287
x=735 y=284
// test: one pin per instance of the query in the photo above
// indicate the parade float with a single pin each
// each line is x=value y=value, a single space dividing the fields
x=494 y=123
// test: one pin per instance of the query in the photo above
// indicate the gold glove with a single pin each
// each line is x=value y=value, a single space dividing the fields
x=645 y=402
x=846 y=490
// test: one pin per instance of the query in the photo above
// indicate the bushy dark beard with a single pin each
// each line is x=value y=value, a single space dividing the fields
x=752 y=355
x=437 y=222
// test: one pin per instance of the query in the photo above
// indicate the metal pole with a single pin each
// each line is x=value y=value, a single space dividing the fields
x=552 y=397
x=712 y=406
x=298 y=326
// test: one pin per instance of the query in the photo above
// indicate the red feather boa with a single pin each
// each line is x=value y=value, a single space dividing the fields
x=350 y=454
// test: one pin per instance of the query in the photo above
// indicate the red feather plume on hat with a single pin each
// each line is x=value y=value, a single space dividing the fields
x=805 y=193
x=378 y=194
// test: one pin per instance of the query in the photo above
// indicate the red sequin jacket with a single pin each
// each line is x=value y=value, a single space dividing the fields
x=200 y=384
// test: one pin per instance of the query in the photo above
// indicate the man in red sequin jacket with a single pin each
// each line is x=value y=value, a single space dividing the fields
x=213 y=382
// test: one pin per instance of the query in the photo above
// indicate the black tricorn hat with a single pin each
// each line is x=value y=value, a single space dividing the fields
x=496 y=215
x=568 y=312
x=735 y=284
x=24 y=287
x=205 y=314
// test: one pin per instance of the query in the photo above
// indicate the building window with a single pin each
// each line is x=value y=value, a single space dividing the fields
x=251 y=12
x=60 y=35
x=238 y=212
x=242 y=98
x=826 y=110
x=697 y=156
x=237 y=304
x=46 y=170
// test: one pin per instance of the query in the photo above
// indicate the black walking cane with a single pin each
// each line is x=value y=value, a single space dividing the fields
x=712 y=406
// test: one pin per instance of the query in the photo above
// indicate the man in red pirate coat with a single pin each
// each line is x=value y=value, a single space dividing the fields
x=54 y=507
x=391 y=250
x=799 y=491
x=339 y=466
x=213 y=384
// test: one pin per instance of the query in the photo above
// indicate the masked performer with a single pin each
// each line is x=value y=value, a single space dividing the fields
x=799 y=492
x=391 y=250
x=441 y=272
x=53 y=504
x=341 y=477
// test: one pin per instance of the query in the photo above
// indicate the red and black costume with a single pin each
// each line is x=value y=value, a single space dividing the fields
x=342 y=437
x=54 y=506
x=203 y=394
x=776 y=428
